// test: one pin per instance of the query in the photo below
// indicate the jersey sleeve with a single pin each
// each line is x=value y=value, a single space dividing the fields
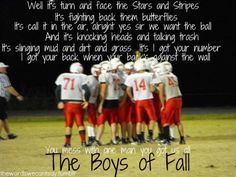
x=85 y=80
x=59 y=80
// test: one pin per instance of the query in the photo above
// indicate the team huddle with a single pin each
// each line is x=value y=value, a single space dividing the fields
x=133 y=98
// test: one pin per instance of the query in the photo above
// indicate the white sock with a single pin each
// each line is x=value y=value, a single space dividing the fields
x=91 y=132
x=172 y=132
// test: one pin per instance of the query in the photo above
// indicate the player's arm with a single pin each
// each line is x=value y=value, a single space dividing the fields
x=58 y=93
x=161 y=95
x=129 y=93
x=125 y=96
x=12 y=91
x=154 y=83
x=86 y=95
x=152 y=88
x=103 y=90
x=60 y=104
x=58 y=90
x=123 y=86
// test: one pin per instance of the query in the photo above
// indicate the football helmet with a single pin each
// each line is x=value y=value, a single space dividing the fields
x=76 y=68
x=168 y=66
x=129 y=65
x=106 y=67
x=140 y=65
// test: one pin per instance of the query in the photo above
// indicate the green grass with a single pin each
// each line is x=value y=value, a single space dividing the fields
x=184 y=117
x=211 y=139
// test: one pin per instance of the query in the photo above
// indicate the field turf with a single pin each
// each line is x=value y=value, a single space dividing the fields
x=210 y=149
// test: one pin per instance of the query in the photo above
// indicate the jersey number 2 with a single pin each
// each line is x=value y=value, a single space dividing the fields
x=69 y=83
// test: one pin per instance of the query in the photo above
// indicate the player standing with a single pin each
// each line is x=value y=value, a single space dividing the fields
x=118 y=68
x=127 y=110
x=142 y=86
x=171 y=114
x=73 y=94
x=93 y=85
x=109 y=102
x=158 y=99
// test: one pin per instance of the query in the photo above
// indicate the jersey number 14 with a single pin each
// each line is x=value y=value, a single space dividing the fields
x=140 y=85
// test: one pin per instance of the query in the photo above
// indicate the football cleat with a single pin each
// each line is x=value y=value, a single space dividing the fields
x=97 y=143
x=83 y=144
x=91 y=140
x=124 y=141
x=138 y=142
x=114 y=142
x=149 y=139
x=172 y=139
x=182 y=141
x=166 y=142
x=12 y=136
x=67 y=146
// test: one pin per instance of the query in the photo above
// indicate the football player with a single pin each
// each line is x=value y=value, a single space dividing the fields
x=155 y=68
x=142 y=85
x=171 y=114
x=118 y=68
x=126 y=110
x=108 y=103
x=93 y=85
x=73 y=94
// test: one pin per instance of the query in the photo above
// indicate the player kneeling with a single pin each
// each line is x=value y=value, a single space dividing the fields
x=71 y=89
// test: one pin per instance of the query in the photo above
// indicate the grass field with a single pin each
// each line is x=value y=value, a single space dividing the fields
x=211 y=145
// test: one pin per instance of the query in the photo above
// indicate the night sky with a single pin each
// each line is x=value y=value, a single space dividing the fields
x=202 y=83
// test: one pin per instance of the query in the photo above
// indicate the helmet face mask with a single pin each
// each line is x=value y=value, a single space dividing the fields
x=129 y=67
x=96 y=70
x=76 y=68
